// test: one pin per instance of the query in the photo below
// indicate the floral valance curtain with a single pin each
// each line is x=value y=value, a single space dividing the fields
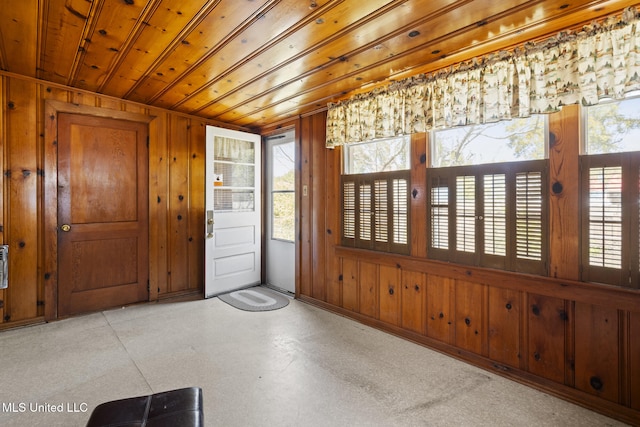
x=600 y=61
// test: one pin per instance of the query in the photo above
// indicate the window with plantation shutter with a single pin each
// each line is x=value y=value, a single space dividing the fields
x=496 y=218
x=375 y=211
x=611 y=218
x=375 y=195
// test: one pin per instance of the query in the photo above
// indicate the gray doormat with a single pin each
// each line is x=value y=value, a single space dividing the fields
x=257 y=298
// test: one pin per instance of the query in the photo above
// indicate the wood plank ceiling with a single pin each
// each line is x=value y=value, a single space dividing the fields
x=251 y=63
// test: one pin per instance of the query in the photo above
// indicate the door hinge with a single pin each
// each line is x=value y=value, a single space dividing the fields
x=147 y=141
x=40 y=303
x=148 y=286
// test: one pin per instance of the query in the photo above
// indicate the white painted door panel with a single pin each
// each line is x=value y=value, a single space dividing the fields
x=233 y=209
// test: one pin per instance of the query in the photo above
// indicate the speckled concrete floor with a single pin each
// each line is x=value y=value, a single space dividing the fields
x=298 y=366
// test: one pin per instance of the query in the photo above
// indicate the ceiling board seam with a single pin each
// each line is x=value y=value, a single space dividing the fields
x=222 y=43
x=184 y=33
x=3 y=53
x=133 y=36
x=89 y=27
x=43 y=12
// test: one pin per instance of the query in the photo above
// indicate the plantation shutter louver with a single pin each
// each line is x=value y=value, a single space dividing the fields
x=605 y=217
x=495 y=214
x=349 y=210
x=400 y=212
x=381 y=216
x=439 y=214
x=529 y=232
x=365 y=211
x=466 y=213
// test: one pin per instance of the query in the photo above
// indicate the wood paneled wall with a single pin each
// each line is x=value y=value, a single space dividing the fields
x=27 y=217
x=572 y=339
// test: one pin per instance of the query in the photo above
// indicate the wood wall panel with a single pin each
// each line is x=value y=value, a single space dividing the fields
x=350 y=297
x=505 y=311
x=563 y=193
x=158 y=206
x=546 y=337
x=597 y=356
x=413 y=293
x=389 y=292
x=3 y=127
x=440 y=313
x=333 y=290
x=304 y=220
x=368 y=285
x=418 y=189
x=470 y=317
x=318 y=189
x=633 y=338
x=197 y=157
x=178 y=204
x=21 y=172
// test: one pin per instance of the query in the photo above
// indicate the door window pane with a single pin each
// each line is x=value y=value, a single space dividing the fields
x=283 y=199
x=234 y=175
x=283 y=216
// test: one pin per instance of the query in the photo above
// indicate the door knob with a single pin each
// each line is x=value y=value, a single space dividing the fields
x=65 y=227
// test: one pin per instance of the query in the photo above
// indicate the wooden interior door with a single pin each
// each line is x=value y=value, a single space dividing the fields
x=102 y=213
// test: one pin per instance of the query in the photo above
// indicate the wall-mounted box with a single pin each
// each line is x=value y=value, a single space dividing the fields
x=4 y=266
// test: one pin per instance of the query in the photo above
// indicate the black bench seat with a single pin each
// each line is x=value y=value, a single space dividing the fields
x=174 y=408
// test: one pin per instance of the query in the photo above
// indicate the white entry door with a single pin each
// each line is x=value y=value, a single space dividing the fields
x=281 y=214
x=233 y=209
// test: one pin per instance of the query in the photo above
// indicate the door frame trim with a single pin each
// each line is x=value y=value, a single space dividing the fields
x=50 y=188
